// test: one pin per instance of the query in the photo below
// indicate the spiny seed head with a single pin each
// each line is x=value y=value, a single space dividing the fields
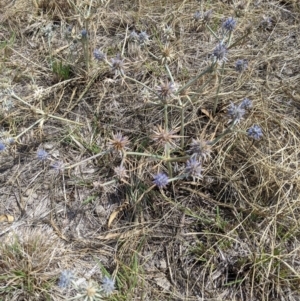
x=2 y=146
x=165 y=90
x=143 y=38
x=119 y=142
x=88 y=290
x=42 y=154
x=266 y=22
x=133 y=36
x=65 y=278
x=255 y=132
x=220 y=53
x=235 y=113
x=58 y=166
x=241 y=65
x=99 y=55
x=201 y=149
x=246 y=103
x=229 y=24
x=108 y=285
x=120 y=172
x=167 y=54
x=117 y=65
x=203 y=16
x=207 y=15
x=165 y=137
x=197 y=15
x=194 y=168
x=160 y=180
x=168 y=32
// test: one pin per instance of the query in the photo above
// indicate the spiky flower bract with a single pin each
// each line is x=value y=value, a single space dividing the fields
x=133 y=36
x=235 y=113
x=164 y=137
x=99 y=55
x=120 y=172
x=200 y=148
x=207 y=15
x=165 y=90
x=241 y=65
x=117 y=65
x=161 y=180
x=108 y=285
x=143 y=38
x=197 y=15
x=229 y=24
x=119 y=142
x=88 y=290
x=168 y=32
x=246 y=103
x=167 y=54
x=58 y=166
x=220 y=53
x=255 y=132
x=42 y=154
x=194 y=168
x=65 y=278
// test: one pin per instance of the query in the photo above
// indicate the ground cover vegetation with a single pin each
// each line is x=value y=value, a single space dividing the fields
x=149 y=150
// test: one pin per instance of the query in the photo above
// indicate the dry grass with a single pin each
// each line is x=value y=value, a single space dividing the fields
x=232 y=235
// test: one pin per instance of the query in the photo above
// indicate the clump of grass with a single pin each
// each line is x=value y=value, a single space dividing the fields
x=27 y=264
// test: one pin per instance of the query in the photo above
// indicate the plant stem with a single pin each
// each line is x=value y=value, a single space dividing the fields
x=189 y=83
x=218 y=89
x=223 y=134
x=140 y=83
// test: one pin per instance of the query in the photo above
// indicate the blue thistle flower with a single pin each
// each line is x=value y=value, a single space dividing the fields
x=108 y=285
x=246 y=103
x=229 y=24
x=65 y=278
x=84 y=33
x=197 y=15
x=201 y=149
x=241 y=65
x=133 y=36
x=255 y=132
x=143 y=37
x=99 y=55
x=2 y=146
x=161 y=180
x=236 y=113
x=220 y=53
x=58 y=166
x=194 y=168
x=117 y=65
x=42 y=154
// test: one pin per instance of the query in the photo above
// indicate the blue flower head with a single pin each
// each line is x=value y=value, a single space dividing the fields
x=161 y=180
x=246 y=103
x=99 y=55
x=220 y=53
x=2 y=146
x=108 y=285
x=241 y=65
x=255 y=132
x=229 y=24
x=65 y=278
x=194 y=168
x=236 y=113
x=42 y=154
x=84 y=33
